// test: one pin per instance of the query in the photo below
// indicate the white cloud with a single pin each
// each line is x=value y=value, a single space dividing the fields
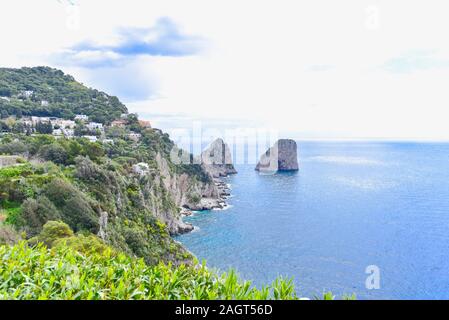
x=259 y=62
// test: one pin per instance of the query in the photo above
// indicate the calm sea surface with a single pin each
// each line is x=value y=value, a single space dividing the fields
x=351 y=205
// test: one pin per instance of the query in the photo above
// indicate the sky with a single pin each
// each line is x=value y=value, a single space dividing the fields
x=311 y=69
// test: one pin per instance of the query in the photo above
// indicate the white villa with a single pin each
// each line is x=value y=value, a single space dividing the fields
x=27 y=93
x=35 y=120
x=68 y=133
x=81 y=117
x=94 y=126
x=110 y=141
x=57 y=132
x=91 y=138
x=65 y=124
x=141 y=168
x=134 y=136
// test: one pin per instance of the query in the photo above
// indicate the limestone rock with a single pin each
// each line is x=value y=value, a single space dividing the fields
x=217 y=159
x=103 y=221
x=282 y=156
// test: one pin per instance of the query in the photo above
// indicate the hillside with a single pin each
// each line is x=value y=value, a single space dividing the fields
x=43 y=91
x=122 y=186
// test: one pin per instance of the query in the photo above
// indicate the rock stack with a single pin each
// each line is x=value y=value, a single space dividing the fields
x=217 y=159
x=282 y=156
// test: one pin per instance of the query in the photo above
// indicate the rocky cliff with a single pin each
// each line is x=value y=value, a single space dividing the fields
x=217 y=159
x=282 y=156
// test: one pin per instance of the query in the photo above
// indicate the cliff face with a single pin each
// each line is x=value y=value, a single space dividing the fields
x=217 y=159
x=282 y=156
x=185 y=192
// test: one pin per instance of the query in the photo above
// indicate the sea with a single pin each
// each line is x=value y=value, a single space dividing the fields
x=363 y=218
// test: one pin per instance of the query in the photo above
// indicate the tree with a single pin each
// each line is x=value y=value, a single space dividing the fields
x=35 y=213
x=44 y=127
x=54 y=152
x=51 y=232
x=4 y=114
x=4 y=127
x=18 y=127
x=81 y=130
x=94 y=151
x=73 y=205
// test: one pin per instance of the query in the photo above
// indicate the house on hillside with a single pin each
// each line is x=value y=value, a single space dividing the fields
x=91 y=138
x=134 y=136
x=141 y=168
x=36 y=120
x=119 y=123
x=26 y=93
x=64 y=124
x=81 y=117
x=44 y=103
x=68 y=133
x=94 y=126
x=109 y=141
x=57 y=132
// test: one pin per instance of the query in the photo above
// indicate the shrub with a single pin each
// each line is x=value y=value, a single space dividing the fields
x=51 y=232
x=13 y=148
x=35 y=213
x=54 y=152
x=84 y=244
x=73 y=205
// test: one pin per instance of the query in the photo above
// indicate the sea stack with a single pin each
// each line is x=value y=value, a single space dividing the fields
x=282 y=156
x=218 y=160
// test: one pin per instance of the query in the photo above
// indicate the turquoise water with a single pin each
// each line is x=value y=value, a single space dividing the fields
x=351 y=205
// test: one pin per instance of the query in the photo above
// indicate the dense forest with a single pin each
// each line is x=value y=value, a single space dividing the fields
x=47 y=92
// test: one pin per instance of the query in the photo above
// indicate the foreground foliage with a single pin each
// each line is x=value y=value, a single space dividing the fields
x=65 y=273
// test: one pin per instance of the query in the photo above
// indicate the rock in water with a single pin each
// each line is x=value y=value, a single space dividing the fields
x=217 y=159
x=282 y=156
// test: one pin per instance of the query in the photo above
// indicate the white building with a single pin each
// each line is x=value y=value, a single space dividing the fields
x=44 y=103
x=64 y=124
x=81 y=117
x=27 y=122
x=141 y=168
x=27 y=93
x=57 y=132
x=94 y=126
x=91 y=138
x=36 y=120
x=134 y=136
x=110 y=141
x=68 y=133
x=5 y=98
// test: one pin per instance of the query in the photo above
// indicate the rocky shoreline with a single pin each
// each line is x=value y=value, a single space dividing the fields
x=224 y=192
x=217 y=162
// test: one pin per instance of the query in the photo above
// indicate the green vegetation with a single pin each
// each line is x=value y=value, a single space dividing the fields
x=32 y=194
x=26 y=88
x=65 y=273
x=57 y=264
